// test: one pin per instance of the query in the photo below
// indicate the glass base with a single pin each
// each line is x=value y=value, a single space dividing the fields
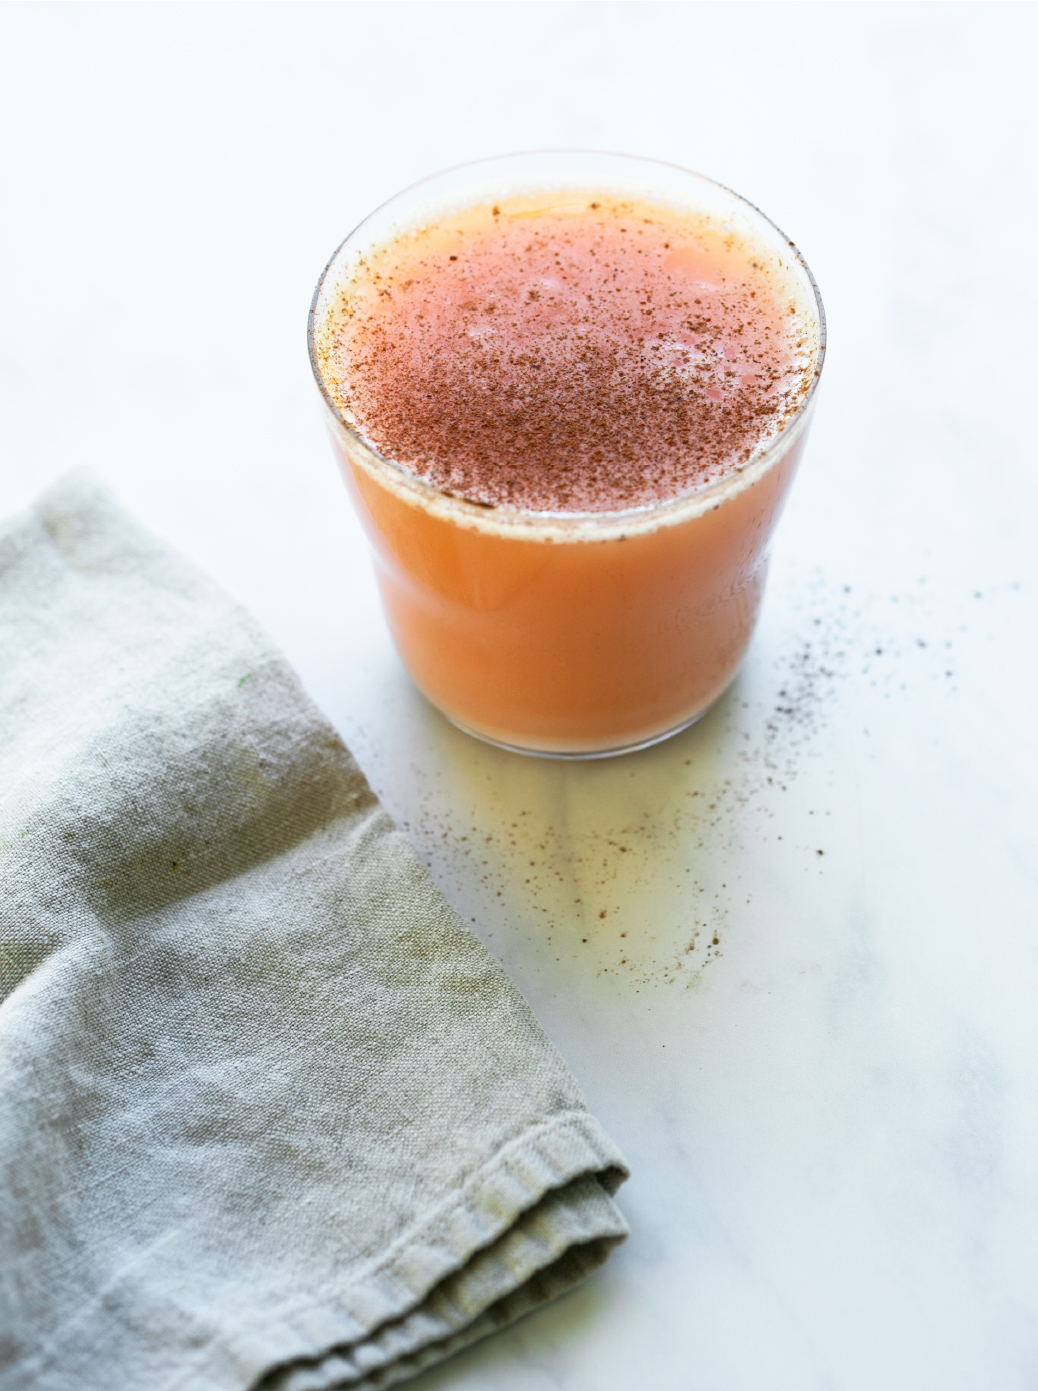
x=586 y=754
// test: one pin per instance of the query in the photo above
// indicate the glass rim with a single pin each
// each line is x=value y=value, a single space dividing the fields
x=692 y=501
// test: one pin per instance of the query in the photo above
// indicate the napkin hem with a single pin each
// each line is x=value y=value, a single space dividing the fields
x=544 y=1159
x=550 y=1248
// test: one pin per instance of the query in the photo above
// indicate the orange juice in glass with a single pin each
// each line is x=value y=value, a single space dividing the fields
x=569 y=392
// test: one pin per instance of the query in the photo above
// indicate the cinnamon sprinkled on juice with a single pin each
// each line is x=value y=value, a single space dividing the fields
x=586 y=356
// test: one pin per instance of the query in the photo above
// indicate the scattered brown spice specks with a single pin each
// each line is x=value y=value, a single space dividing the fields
x=549 y=371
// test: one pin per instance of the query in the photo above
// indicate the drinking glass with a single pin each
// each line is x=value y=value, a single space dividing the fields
x=571 y=635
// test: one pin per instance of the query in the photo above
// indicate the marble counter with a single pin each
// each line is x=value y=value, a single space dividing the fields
x=792 y=954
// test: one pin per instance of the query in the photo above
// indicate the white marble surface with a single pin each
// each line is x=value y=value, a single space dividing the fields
x=831 y=1114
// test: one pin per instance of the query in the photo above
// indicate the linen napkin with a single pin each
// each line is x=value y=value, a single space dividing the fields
x=270 y=1115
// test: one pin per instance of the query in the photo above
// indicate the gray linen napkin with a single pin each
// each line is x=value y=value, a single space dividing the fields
x=270 y=1115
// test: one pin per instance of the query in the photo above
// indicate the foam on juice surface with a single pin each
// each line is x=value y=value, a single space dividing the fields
x=574 y=354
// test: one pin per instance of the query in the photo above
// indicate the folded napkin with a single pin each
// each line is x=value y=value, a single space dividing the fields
x=270 y=1115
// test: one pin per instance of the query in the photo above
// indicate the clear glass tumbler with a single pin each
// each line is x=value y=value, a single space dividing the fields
x=571 y=635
